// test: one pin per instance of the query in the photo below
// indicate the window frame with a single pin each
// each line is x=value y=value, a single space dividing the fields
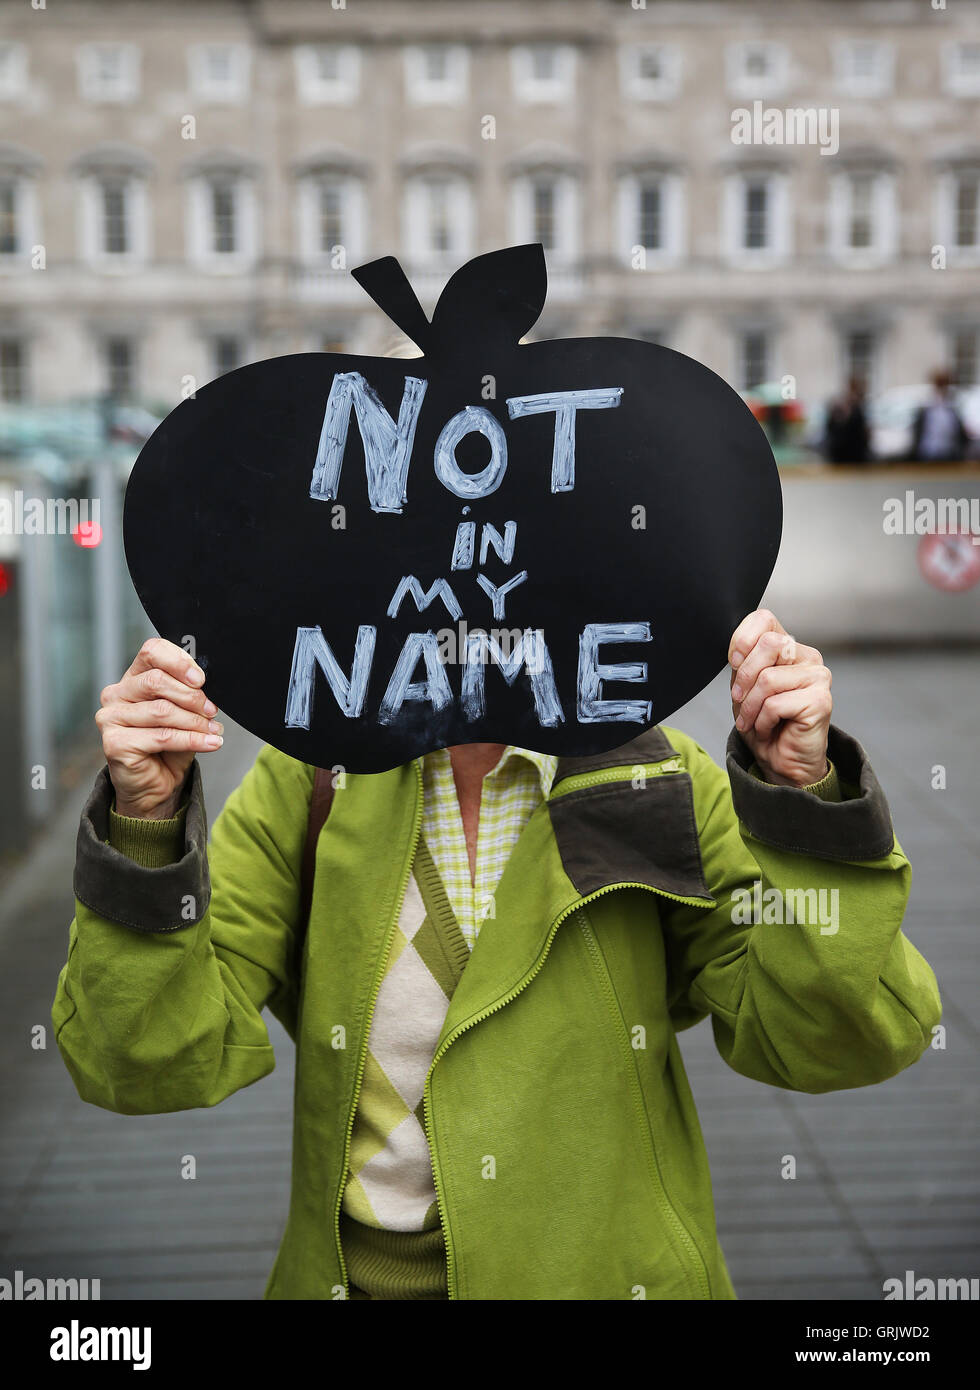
x=134 y=186
x=672 y=216
x=568 y=212
x=88 y=87
x=740 y=83
x=461 y=213
x=352 y=212
x=878 y=84
x=203 y=87
x=955 y=81
x=312 y=89
x=637 y=88
x=529 y=89
x=17 y=85
x=200 y=227
x=779 y=247
x=421 y=90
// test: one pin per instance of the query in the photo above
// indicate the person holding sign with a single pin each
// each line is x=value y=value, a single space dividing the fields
x=528 y=883
x=551 y=1149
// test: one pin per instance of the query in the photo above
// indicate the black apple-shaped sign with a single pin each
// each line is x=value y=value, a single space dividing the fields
x=546 y=544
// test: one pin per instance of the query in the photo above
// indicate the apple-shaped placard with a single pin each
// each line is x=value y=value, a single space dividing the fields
x=546 y=544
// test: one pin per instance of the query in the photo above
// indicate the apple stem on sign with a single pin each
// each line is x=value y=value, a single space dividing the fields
x=389 y=287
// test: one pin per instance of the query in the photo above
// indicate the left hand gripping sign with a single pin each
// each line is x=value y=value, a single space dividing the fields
x=543 y=544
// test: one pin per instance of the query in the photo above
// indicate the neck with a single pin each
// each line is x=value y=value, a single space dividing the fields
x=472 y=761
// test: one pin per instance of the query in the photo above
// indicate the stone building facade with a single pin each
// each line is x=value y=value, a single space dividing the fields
x=778 y=189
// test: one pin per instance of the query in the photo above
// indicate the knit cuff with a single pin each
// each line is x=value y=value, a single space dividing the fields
x=120 y=887
x=828 y=788
x=854 y=829
x=152 y=843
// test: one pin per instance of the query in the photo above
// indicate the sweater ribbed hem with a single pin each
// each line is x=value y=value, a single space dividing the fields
x=152 y=843
x=394 y=1264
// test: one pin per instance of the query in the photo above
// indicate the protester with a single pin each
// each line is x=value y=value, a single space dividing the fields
x=492 y=1104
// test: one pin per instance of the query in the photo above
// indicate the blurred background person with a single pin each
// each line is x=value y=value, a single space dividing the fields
x=938 y=431
x=847 y=438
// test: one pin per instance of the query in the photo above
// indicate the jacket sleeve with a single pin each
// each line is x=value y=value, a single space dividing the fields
x=820 y=991
x=159 y=1005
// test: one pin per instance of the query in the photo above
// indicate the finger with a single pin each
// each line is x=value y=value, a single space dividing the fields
x=772 y=649
x=167 y=656
x=156 y=684
x=807 y=706
x=144 y=714
x=748 y=632
x=129 y=747
x=776 y=680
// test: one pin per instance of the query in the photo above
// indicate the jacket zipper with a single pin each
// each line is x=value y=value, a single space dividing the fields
x=570 y=784
x=362 y=1059
x=495 y=1008
x=615 y=774
x=679 y=1226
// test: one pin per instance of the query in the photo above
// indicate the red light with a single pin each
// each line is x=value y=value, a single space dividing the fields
x=4 y=580
x=87 y=534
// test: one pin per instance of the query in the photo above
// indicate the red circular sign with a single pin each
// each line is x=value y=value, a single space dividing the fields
x=87 y=534
x=950 y=560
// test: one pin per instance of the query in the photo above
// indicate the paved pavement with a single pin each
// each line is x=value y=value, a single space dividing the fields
x=886 y=1176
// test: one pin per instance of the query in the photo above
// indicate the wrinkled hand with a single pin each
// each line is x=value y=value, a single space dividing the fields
x=781 y=700
x=153 y=723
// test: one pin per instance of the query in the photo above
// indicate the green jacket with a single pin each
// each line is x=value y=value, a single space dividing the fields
x=613 y=930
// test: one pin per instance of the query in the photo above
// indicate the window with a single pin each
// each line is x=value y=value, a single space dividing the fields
x=755 y=211
x=119 y=358
x=545 y=209
x=863 y=67
x=860 y=345
x=958 y=217
x=109 y=72
x=13 y=375
x=543 y=72
x=226 y=353
x=328 y=72
x=650 y=219
x=115 y=230
x=439 y=214
x=962 y=68
x=860 y=222
x=13 y=71
x=114 y=222
x=756 y=68
x=863 y=217
x=332 y=220
x=649 y=71
x=436 y=73
x=9 y=237
x=753 y=358
x=965 y=356
x=755 y=216
x=219 y=72
x=222 y=221
x=224 y=228
x=544 y=212
x=966 y=222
